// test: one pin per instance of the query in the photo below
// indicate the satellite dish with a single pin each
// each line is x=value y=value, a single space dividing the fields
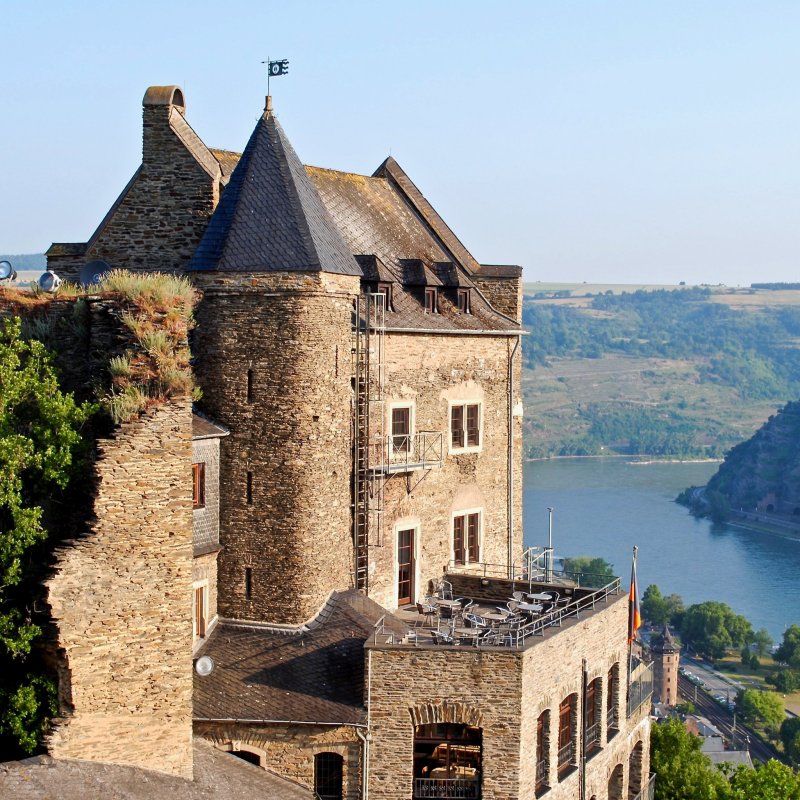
x=204 y=665
x=49 y=282
x=7 y=272
x=93 y=272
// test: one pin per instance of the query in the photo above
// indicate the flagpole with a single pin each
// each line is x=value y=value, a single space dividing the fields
x=632 y=633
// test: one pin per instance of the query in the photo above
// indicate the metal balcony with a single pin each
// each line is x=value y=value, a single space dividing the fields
x=410 y=452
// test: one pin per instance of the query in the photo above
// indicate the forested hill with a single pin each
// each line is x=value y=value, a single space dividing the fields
x=678 y=372
x=763 y=472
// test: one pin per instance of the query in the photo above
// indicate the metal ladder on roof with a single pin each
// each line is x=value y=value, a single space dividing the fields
x=369 y=329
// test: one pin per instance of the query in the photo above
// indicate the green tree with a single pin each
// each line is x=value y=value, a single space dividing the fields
x=713 y=627
x=655 y=608
x=682 y=771
x=787 y=680
x=39 y=439
x=762 y=641
x=761 y=708
x=790 y=736
x=770 y=781
x=676 y=609
x=788 y=651
x=594 y=572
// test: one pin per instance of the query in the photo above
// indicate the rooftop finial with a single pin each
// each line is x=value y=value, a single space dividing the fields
x=268 y=105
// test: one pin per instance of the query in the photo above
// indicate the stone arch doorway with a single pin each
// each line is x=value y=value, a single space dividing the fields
x=328 y=776
x=636 y=772
x=616 y=783
x=447 y=761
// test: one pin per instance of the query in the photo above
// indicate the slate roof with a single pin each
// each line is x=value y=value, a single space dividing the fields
x=204 y=428
x=270 y=217
x=664 y=642
x=217 y=775
x=311 y=674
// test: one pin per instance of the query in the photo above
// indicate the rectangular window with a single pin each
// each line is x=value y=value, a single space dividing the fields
x=542 y=757
x=401 y=429
x=200 y=611
x=465 y=426
x=198 y=485
x=566 y=744
x=430 y=301
x=249 y=386
x=249 y=490
x=248 y=583
x=463 y=301
x=466 y=538
x=386 y=290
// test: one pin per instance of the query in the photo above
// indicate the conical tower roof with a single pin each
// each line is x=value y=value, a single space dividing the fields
x=664 y=642
x=270 y=217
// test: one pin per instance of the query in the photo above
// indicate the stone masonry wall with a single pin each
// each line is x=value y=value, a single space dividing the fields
x=120 y=596
x=289 y=750
x=159 y=221
x=504 y=294
x=291 y=332
x=430 y=373
x=502 y=692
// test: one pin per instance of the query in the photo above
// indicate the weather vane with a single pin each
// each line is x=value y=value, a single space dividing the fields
x=276 y=68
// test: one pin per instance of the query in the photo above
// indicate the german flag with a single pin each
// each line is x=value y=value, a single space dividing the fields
x=634 y=611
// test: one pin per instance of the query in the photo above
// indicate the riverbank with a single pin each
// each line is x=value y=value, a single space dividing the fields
x=631 y=459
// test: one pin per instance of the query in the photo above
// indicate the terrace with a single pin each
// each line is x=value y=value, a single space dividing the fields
x=475 y=607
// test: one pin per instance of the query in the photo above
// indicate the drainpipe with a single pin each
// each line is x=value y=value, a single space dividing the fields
x=511 y=459
x=365 y=737
x=584 y=717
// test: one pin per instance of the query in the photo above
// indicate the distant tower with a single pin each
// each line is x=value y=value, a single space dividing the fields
x=273 y=357
x=666 y=658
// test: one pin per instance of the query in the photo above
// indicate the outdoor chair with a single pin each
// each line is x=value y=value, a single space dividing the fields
x=442 y=637
x=476 y=621
x=445 y=590
x=518 y=596
x=427 y=612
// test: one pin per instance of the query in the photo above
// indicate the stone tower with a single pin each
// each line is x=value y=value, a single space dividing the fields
x=666 y=659
x=274 y=331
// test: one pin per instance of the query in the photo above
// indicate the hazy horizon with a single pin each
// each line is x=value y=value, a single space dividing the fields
x=612 y=143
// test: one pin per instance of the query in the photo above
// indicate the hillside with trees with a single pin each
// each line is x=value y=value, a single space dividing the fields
x=686 y=372
x=761 y=474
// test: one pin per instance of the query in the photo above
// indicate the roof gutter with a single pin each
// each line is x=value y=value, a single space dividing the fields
x=450 y=332
x=281 y=722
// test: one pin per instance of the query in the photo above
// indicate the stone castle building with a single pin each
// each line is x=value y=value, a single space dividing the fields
x=356 y=468
x=666 y=661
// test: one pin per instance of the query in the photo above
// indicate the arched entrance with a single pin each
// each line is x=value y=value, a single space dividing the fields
x=636 y=772
x=447 y=761
x=328 y=776
x=616 y=783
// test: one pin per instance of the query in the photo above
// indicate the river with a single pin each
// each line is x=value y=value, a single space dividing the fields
x=604 y=506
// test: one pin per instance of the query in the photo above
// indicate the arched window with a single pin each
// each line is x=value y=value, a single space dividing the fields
x=328 y=776
x=542 y=750
x=567 y=734
x=636 y=772
x=612 y=702
x=594 y=702
x=616 y=782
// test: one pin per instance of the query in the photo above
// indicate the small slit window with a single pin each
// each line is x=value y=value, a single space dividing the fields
x=249 y=386
x=249 y=488
x=248 y=583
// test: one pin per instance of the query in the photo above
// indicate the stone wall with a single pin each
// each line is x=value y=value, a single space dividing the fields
x=289 y=749
x=158 y=220
x=288 y=337
x=504 y=692
x=503 y=294
x=120 y=598
x=430 y=373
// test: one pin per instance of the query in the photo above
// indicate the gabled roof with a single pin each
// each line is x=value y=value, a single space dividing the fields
x=270 y=217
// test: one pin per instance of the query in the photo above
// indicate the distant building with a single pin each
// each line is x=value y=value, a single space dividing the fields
x=666 y=661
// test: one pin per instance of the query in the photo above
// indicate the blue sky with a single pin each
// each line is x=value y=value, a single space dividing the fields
x=587 y=141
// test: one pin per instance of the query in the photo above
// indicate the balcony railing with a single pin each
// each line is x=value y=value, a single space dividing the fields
x=593 y=736
x=541 y=774
x=447 y=789
x=566 y=756
x=640 y=690
x=649 y=791
x=406 y=452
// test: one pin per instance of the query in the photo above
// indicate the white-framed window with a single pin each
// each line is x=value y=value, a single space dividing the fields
x=401 y=428
x=467 y=536
x=200 y=609
x=466 y=426
x=406 y=534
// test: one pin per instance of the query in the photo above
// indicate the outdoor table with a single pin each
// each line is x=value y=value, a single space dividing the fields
x=530 y=608
x=494 y=617
x=467 y=633
x=451 y=604
x=543 y=597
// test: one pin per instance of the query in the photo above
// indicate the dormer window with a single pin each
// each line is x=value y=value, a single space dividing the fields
x=463 y=301
x=430 y=301
x=386 y=290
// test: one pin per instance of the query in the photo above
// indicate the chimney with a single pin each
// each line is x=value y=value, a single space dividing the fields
x=157 y=107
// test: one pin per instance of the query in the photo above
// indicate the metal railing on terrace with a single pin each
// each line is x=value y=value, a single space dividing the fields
x=566 y=756
x=640 y=688
x=447 y=788
x=649 y=791
x=593 y=735
x=506 y=636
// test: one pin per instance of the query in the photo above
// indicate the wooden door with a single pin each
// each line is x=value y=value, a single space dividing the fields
x=405 y=568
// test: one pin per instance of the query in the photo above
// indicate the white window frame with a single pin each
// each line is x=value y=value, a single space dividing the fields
x=203 y=584
x=465 y=512
x=412 y=427
x=409 y=525
x=466 y=448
